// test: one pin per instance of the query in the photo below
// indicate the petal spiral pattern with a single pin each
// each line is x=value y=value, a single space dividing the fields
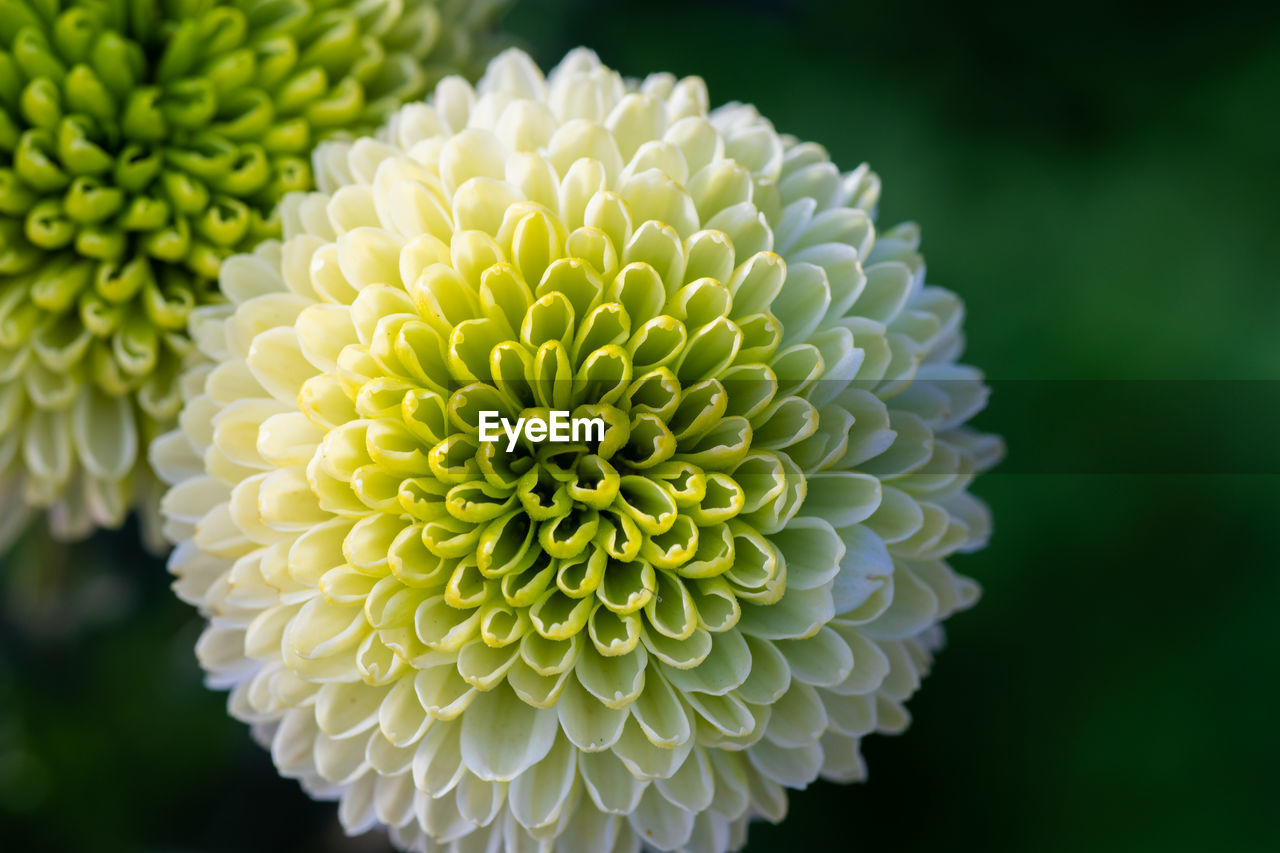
x=641 y=638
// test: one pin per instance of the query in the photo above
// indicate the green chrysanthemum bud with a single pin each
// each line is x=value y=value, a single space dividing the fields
x=639 y=637
x=141 y=143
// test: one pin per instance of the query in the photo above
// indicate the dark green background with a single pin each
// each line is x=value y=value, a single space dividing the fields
x=1102 y=184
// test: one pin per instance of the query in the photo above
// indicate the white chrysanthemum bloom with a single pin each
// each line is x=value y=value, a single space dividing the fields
x=638 y=640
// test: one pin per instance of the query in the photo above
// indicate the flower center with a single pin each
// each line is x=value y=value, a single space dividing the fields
x=651 y=529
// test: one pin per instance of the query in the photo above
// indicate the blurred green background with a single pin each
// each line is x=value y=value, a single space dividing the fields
x=1101 y=182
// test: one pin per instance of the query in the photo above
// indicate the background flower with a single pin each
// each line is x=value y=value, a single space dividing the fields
x=142 y=144
x=647 y=638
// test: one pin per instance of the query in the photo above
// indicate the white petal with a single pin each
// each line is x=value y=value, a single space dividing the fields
x=538 y=795
x=346 y=709
x=841 y=760
x=865 y=558
x=615 y=681
x=800 y=613
x=798 y=718
x=591 y=829
x=479 y=801
x=393 y=798
x=850 y=715
x=724 y=669
x=794 y=767
x=728 y=715
x=611 y=785
x=821 y=660
x=913 y=608
x=437 y=763
x=340 y=761
x=356 y=812
x=660 y=713
x=842 y=498
x=502 y=736
x=105 y=435
x=693 y=785
x=589 y=725
x=870 y=665
x=659 y=823
x=770 y=673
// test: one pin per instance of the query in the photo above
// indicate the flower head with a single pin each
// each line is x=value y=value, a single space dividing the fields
x=139 y=147
x=641 y=637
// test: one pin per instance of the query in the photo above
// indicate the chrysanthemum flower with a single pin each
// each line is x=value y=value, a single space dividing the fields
x=140 y=144
x=641 y=640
